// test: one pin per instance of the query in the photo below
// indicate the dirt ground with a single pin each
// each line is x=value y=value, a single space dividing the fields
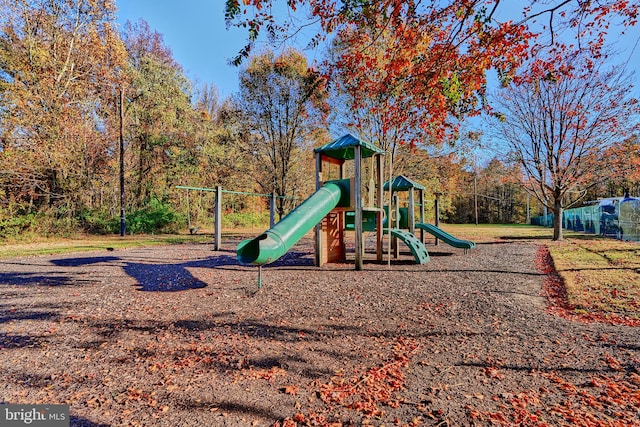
x=181 y=336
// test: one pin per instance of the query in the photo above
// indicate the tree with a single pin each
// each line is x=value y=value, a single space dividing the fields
x=219 y=131
x=159 y=113
x=415 y=68
x=412 y=70
x=624 y=177
x=590 y=19
x=559 y=128
x=497 y=188
x=438 y=50
x=58 y=64
x=381 y=92
x=368 y=100
x=283 y=102
x=625 y=159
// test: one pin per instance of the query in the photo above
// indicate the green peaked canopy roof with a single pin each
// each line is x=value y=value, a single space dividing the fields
x=402 y=183
x=344 y=148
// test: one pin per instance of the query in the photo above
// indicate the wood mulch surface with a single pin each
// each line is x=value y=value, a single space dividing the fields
x=180 y=335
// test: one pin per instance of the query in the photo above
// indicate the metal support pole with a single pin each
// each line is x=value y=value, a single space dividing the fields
x=272 y=210
x=389 y=224
x=218 y=220
x=395 y=207
x=380 y=204
x=188 y=212
x=318 y=257
x=475 y=195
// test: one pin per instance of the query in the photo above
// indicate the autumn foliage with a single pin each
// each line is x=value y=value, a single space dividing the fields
x=426 y=63
x=423 y=71
x=59 y=65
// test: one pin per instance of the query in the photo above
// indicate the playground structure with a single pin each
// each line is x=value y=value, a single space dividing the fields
x=404 y=217
x=326 y=209
x=339 y=206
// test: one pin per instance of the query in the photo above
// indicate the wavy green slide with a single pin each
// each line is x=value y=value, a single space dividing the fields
x=275 y=242
x=417 y=248
x=446 y=237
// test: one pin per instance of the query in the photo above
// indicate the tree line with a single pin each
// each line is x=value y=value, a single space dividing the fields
x=74 y=85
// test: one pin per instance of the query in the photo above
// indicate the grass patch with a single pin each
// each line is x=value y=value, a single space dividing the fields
x=600 y=275
x=91 y=243
x=488 y=233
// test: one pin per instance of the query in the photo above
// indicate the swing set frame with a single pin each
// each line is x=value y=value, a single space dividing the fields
x=218 y=190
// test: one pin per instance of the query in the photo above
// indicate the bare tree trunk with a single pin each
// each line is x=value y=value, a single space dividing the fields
x=557 y=220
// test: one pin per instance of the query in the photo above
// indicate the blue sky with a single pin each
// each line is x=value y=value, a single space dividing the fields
x=196 y=33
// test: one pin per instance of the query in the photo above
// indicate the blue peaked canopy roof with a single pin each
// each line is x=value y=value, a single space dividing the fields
x=344 y=148
x=402 y=183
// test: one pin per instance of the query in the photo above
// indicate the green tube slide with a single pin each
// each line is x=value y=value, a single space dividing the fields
x=275 y=242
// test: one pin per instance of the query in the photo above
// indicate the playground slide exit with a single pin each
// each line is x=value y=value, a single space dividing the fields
x=446 y=237
x=277 y=241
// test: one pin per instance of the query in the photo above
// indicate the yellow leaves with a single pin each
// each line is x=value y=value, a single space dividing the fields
x=452 y=89
x=155 y=367
x=39 y=56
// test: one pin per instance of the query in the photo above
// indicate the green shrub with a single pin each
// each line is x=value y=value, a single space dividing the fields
x=56 y=222
x=16 y=226
x=156 y=216
x=21 y=226
x=99 y=222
